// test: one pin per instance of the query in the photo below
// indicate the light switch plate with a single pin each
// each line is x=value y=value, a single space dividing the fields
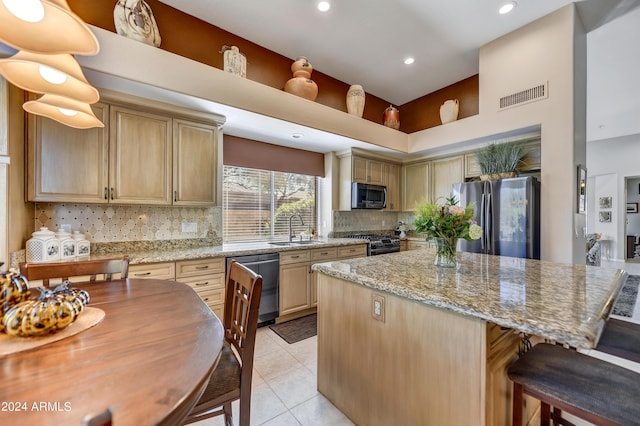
x=189 y=227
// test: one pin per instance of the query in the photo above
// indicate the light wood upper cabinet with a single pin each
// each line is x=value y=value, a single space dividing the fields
x=195 y=163
x=391 y=179
x=140 y=157
x=67 y=164
x=415 y=185
x=365 y=170
x=446 y=172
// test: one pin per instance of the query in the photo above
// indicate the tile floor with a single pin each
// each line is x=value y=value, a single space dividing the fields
x=284 y=378
x=284 y=386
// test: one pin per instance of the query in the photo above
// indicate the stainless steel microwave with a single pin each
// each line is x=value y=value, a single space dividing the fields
x=366 y=196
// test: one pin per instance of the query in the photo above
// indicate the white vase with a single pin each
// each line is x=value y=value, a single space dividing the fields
x=234 y=61
x=449 y=111
x=355 y=100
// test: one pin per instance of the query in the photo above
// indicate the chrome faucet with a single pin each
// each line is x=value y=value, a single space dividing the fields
x=290 y=227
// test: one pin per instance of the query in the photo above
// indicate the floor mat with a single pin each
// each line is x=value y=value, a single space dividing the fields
x=627 y=297
x=297 y=329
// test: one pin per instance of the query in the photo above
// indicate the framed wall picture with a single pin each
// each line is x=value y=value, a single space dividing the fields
x=632 y=207
x=581 y=190
x=605 y=202
x=605 y=216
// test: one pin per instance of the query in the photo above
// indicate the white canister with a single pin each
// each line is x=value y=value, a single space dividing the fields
x=43 y=246
x=83 y=247
x=67 y=244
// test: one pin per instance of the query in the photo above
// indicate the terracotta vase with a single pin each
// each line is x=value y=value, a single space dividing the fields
x=355 y=100
x=449 y=111
x=301 y=83
x=391 y=117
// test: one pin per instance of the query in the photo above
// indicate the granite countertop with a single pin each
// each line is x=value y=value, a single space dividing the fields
x=562 y=302
x=147 y=255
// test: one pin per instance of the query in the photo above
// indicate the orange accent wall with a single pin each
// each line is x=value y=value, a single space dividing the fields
x=200 y=41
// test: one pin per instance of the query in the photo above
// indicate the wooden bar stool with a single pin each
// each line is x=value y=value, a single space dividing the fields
x=620 y=338
x=594 y=390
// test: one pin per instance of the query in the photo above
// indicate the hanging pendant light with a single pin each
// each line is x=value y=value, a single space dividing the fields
x=45 y=26
x=64 y=110
x=55 y=74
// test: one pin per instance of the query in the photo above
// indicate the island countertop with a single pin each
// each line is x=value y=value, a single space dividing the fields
x=562 y=302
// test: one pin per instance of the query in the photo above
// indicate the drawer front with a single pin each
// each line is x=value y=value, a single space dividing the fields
x=212 y=297
x=218 y=310
x=294 y=256
x=204 y=282
x=352 y=251
x=324 y=254
x=166 y=271
x=190 y=268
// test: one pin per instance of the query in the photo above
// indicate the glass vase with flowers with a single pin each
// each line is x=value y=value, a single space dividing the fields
x=446 y=223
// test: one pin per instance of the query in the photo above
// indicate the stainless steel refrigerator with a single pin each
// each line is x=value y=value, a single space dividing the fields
x=508 y=211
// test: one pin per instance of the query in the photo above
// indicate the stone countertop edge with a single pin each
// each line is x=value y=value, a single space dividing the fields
x=224 y=250
x=561 y=302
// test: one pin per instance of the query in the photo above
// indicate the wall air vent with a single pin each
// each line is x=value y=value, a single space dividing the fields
x=526 y=96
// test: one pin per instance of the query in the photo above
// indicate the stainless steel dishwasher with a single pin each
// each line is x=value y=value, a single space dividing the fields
x=267 y=265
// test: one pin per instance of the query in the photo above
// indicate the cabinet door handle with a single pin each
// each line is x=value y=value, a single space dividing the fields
x=295 y=257
x=324 y=253
x=202 y=267
x=175 y=196
x=201 y=284
x=106 y=193
x=112 y=193
x=142 y=274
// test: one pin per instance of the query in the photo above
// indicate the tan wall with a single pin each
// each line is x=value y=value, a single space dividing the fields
x=541 y=51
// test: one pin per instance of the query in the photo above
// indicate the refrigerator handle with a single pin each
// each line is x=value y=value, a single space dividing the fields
x=487 y=222
x=482 y=223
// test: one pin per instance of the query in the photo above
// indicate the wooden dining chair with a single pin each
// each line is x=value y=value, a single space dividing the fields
x=45 y=272
x=231 y=379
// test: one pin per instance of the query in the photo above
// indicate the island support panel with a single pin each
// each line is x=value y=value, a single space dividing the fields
x=419 y=365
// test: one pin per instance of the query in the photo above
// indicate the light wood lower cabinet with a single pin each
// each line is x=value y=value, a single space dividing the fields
x=161 y=271
x=414 y=364
x=298 y=283
x=207 y=278
x=294 y=281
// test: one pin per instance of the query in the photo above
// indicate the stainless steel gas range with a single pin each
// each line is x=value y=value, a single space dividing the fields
x=379 y=243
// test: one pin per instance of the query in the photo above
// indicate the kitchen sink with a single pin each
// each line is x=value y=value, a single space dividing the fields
x=306 y=242
x=280 y=243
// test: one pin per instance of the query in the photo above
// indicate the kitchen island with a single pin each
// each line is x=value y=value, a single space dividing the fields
x=403 y=342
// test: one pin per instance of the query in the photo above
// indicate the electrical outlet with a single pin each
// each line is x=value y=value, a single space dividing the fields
x=66 y=227
x=377 y=307
x=189 y=227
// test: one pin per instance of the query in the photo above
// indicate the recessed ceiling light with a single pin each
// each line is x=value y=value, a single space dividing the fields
x=324 y=6
x=506 y=8
x=409 y=61
x=297 y=135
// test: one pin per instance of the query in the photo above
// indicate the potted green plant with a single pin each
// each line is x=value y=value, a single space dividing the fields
x=499 y=161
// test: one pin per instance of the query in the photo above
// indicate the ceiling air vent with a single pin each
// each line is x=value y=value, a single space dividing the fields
x=526 y=96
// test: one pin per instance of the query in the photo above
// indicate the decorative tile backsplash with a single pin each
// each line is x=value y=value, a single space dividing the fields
x=345 y=222
x=107 y=223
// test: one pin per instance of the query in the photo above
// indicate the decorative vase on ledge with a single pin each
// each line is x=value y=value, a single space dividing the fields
x=391 y=117
x=446 y=252
x=355 y=100
x=449 y=111
x=301 y=83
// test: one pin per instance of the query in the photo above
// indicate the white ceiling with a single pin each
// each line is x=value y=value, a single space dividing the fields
x=365 y=42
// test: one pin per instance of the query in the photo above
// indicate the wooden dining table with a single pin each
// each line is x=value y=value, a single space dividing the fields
x=148 y=360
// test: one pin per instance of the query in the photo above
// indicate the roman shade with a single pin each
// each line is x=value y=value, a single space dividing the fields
x=241 y=152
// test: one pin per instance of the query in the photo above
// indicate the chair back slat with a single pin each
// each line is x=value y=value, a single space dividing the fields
x=78 y=268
